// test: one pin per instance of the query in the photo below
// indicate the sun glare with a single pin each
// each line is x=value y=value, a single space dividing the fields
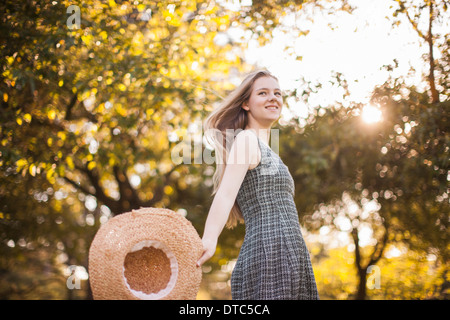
x=371 y=114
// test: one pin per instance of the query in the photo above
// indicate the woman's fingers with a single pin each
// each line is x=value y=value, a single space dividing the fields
x=205 y=256
x=209 y=247
x=200 y=260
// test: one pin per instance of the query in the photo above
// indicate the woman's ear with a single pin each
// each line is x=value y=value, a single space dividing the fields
x=245 y=107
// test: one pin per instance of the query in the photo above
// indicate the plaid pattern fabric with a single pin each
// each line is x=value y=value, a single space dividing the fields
x=273 y=262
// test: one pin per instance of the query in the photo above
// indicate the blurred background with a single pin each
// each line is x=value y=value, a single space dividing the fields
x=96 y=96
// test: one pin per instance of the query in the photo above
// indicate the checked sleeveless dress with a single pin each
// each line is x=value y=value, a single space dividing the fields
x=273 y=262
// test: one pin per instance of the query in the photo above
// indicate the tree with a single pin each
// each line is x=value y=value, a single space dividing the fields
x=87 y=114
x=399 y=164
x=90 y=112
x=390 y=177
x=414 y=12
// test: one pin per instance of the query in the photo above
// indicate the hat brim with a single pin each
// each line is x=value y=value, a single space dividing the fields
x=160 y=228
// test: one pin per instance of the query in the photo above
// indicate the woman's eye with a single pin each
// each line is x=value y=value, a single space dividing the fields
x=263 y=93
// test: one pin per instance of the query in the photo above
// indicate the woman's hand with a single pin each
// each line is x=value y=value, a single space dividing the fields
x=209 y=248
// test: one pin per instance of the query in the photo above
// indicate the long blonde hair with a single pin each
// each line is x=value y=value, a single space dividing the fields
x=221 y=127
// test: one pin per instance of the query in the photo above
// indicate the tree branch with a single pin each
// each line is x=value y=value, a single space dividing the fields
x=99 y=193
x=357 y=250
x=379 y=248
x=429 y=39
x=159 y=192
x=70 y=106
x=78 y=186
x=128 y=195
x=413 y=23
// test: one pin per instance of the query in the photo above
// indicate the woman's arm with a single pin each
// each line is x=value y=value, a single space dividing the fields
x=242 y=156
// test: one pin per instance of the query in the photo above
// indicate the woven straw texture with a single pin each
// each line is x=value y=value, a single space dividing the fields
x=160 y=229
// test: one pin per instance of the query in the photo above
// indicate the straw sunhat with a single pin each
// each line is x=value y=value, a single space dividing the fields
x=149 y=253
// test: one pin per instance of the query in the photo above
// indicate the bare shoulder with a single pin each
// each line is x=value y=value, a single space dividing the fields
x=247 y=148
x=246 y=136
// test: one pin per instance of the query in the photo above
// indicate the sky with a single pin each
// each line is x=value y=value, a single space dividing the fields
x=357 y=45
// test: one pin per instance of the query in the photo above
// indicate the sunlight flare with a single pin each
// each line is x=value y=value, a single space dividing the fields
x=371 y=114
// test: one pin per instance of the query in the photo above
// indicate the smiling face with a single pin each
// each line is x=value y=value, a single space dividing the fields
x=265 y=103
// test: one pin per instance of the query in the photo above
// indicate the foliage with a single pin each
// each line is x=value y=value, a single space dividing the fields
x=90 y=115
x=387 y=178
x=409 y=275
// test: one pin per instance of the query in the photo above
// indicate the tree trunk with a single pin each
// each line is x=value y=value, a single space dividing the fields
x=362 y=276
x=429 y=39
x=361 y=293
x=362 y=268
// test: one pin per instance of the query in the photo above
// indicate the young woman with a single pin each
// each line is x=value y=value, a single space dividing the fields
x=251 y=183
